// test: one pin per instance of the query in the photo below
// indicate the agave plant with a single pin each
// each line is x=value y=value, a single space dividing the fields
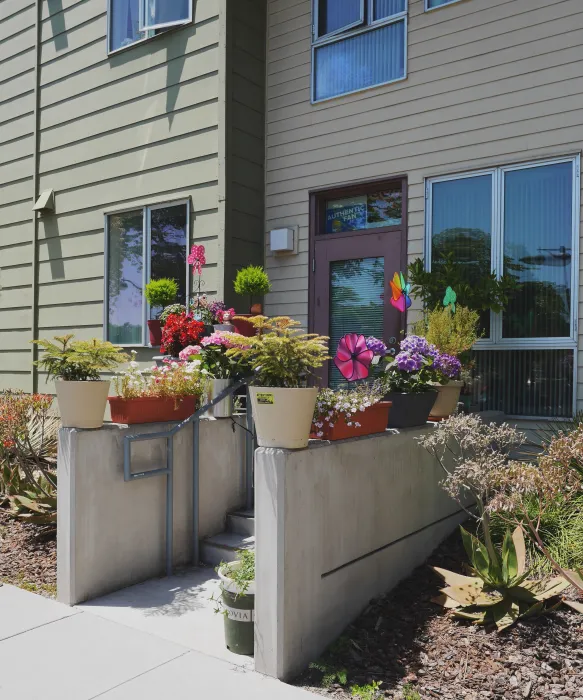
x=499 y=590
x=37 y=504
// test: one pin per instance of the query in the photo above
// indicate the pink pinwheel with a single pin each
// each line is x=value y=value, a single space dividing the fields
x=353 y=358
x=197 y=258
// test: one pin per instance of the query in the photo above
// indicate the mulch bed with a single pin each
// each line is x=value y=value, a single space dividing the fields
x=28 y=555
x=403 y=639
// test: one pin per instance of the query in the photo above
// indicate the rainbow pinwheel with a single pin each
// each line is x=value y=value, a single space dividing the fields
x=401 y=290
x=353 y=358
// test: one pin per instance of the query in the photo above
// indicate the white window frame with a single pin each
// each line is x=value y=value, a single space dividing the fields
x=496 y=341
x=366 y=25
x=162 y=25
x=111 y=52
x=432 y=9
x=147 y=261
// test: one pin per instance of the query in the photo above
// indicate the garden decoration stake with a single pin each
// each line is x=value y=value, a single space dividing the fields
x=196 y=260
x=401 y=291
x=450 y=299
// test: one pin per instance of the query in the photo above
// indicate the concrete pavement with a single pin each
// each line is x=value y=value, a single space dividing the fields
x=52 y=652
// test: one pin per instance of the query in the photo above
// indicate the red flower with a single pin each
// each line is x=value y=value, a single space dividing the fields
x=179 y=332
x=353 y=358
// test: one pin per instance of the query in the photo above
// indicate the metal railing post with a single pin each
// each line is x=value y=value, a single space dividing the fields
x=249 y=454
x=169 y=506
x=195 y=491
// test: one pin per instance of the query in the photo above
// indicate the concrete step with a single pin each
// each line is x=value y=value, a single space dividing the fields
x=224 y=547
x=242 y=522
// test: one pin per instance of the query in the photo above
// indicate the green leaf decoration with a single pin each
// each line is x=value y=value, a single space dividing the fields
x=450 y=299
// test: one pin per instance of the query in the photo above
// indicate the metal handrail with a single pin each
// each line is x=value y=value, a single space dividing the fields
x=168 y=470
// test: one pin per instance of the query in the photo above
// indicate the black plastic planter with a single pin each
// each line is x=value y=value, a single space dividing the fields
x=410 y=410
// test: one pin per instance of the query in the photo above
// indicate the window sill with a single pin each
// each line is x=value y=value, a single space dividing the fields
x=139 y=42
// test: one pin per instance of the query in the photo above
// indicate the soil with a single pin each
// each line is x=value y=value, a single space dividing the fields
x=28 y=555
x=417 y=650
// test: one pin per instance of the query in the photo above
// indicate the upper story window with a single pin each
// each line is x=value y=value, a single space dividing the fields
x=434 y=4
x=357 y=44
x=141 y=245
x=135 y=20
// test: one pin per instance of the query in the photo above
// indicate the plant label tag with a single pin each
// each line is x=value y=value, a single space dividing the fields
x=240 y=615
x=376 y=359
x=266 y=399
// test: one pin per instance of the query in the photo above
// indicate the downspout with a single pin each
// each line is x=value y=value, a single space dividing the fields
x=35 y=192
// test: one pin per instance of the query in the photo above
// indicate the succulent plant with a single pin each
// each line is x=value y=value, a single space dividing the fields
x=37 y=504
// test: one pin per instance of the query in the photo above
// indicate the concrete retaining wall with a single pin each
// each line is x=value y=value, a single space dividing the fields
x=338 y=524
x=112 y=534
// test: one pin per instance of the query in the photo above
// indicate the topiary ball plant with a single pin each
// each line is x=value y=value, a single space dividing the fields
x=161 y=293
x=252 y=281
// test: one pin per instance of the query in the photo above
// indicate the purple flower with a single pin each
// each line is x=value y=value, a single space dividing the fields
x=376 y=345
x=416 y=344
x=409 y=361
x=448 y=365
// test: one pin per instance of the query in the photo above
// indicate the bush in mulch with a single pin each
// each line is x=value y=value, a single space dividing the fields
x=405 y=646
x=28 y=555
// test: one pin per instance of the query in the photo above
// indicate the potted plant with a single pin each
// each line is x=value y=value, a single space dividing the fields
x=159 y=294
x=221 y=369
x=76 y=366
x=408 y=380
x=348 y=413
x=238 y=602
x=282 y=358
x=453 y=333
x=180 y=331
x=168 y=393
x=251 y=281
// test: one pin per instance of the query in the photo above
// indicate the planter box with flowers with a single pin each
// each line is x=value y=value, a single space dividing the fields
x=158 y=395
x=282 y=357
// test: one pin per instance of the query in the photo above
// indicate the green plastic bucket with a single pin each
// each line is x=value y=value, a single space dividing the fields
x=239 y=615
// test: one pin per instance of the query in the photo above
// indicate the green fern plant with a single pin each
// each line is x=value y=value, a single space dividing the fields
x=78 y=360
x=280 y=355
x=161 y=293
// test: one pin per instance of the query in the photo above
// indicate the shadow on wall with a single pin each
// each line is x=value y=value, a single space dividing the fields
x=58 y=27
x=54 y=248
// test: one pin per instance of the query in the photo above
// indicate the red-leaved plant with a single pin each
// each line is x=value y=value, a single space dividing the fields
x=179 y=332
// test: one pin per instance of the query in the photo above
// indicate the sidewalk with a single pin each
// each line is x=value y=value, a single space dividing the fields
x=52 y=652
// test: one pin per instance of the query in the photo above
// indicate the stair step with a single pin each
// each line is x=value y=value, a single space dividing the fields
x=241 y=522
x=224 y=547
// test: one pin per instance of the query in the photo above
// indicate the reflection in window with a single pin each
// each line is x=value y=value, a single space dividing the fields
x=124 y=24
x=356 y=303
x=387 y=8
x=364 y=211
x=461 y=228
x=166 y=12
x=538 y=231
x=338 y=14
x=125 y=268
x=168 y=237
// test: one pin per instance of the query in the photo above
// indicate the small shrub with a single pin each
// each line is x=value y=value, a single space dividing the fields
x=451 y=333
x=78 y=360
x=409 y=693
x=161 y=293
x=252 y=282
x=371 y=691
x=172 y=310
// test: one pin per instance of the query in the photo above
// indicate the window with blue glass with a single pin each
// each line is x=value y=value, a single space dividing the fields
x=131 y=21
x=434 y=4
x=357 y=44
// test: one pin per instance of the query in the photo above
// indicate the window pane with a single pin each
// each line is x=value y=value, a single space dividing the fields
x=538 y=235
x=356 y=303
x=361 y=61
x=124 y=24
x=336 y=14
x=438 y=3
x=523 y=382
x=168 y=247
x=166 y=12
x=364 y=211
x=125 y=267
x=387 y=8
x=462 y=228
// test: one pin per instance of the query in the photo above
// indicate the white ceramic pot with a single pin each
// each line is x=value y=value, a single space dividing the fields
x=82 y=404
x=448 y=396
x=224 y=409
x=283 y=417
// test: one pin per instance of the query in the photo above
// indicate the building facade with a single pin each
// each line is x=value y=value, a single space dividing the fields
x=150 y=135
x=398 y=130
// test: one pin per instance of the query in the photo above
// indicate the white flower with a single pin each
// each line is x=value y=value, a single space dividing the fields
x=357 y=425
x=134 y=365
x=174 y=365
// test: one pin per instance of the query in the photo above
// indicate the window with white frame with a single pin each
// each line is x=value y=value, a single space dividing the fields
x=357 y=44
x=522 y=221
x=135 y=20
x=434 y=4
x=141 y=245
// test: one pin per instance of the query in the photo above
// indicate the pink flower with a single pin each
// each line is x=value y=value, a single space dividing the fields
x=217 y=338
x=197 y=258
x=189 y=351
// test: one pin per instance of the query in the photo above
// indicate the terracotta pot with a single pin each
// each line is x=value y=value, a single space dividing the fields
x=256 y=310
x=410 y=410
x=243 y=327
x=448 y=396
x=373 y=420
x=82 y=404
x=155 y=329
x=283 y=416
x=151 y=409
